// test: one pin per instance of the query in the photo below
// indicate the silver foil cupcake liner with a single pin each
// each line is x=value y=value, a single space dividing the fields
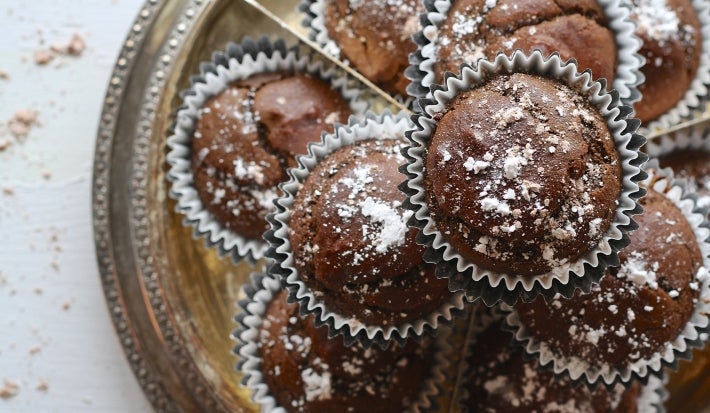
x=629 y=61
x=238 y=61
x=259 y=293
x=651 y=398
x=696 y=97
x=370 y=126
x=314 y=15
x=493 y=286
x=693 y=335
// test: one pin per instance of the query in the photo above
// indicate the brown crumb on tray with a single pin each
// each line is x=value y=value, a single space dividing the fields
x=34 y=350
x=9 y=389
x=8 y=190
x=4 y=75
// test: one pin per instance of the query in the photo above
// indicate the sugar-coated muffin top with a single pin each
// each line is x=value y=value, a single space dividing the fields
x=375 y=36
x=521 y=175
x=246 y=137
x=308 y=372
x=639 y=306
x=499 y=379
x=672 y=45
x=577 y=29
x=351 y=242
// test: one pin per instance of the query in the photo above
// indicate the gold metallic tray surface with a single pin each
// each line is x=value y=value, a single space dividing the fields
x=171 y=299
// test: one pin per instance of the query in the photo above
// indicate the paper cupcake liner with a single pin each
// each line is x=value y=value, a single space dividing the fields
x=371 y=126
x=493 y=286
x=259 y=294
x=650 y=400
x=694 y=138
x=692 y=335
x=239 y=61
x=314 y=12
x=697 y=95
x=628 y=74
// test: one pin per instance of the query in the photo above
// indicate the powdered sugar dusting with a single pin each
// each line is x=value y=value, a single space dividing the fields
x=393 y=225
x=638 y=270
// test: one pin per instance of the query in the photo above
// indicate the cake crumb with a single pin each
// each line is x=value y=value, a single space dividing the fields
x=4 y=75
x=9 y=389
x=34 y=350
x=75 y=46
x=42 y=57
x=8 y=190
x=21 y=122
x=66 y=306
x=42 y=385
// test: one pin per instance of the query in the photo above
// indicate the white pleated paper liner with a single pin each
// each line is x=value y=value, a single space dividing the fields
x=696 y=138
x=238 y=61
x=314 y=19
x=650 y=399
x=693 y=335
x=696 y=97
x=259 y=293
x=370 y=126
x=628 y=74
x=493 y=286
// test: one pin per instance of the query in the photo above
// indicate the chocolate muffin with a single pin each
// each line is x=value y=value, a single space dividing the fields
x=476 y=29
x=672 y=45
x=694 y=166
x=351 y=243
x=521 y=175
x=375 y=36
x=308 y=372
x=638 y=307
x=246 y=136
x=501 y=380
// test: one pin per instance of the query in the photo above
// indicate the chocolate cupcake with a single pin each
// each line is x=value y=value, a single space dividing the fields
x=673 y=43
x=375 y=37
x=521 y=180
x=341 y=243
x=292 y=365
x=644 y=313
x=244 y=121
x=598 y=35
x=499 y=378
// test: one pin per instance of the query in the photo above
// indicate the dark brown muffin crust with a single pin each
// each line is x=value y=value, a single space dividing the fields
x=672 y=45
x=350 y=239
x=484 y=28
x=246 y=137
x=376 y=37
x=501 y=380
x=521 y=175
x=639 y=306
x=308 y=372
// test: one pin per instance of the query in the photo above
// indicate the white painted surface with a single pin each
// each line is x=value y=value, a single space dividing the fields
x=54 y=325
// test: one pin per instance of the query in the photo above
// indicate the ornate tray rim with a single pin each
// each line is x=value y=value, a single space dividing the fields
x=167 y=375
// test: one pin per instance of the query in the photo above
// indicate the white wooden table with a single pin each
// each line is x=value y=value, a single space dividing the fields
x=57 y=342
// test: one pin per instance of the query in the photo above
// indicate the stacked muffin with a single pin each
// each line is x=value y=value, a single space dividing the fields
x=522 y=178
